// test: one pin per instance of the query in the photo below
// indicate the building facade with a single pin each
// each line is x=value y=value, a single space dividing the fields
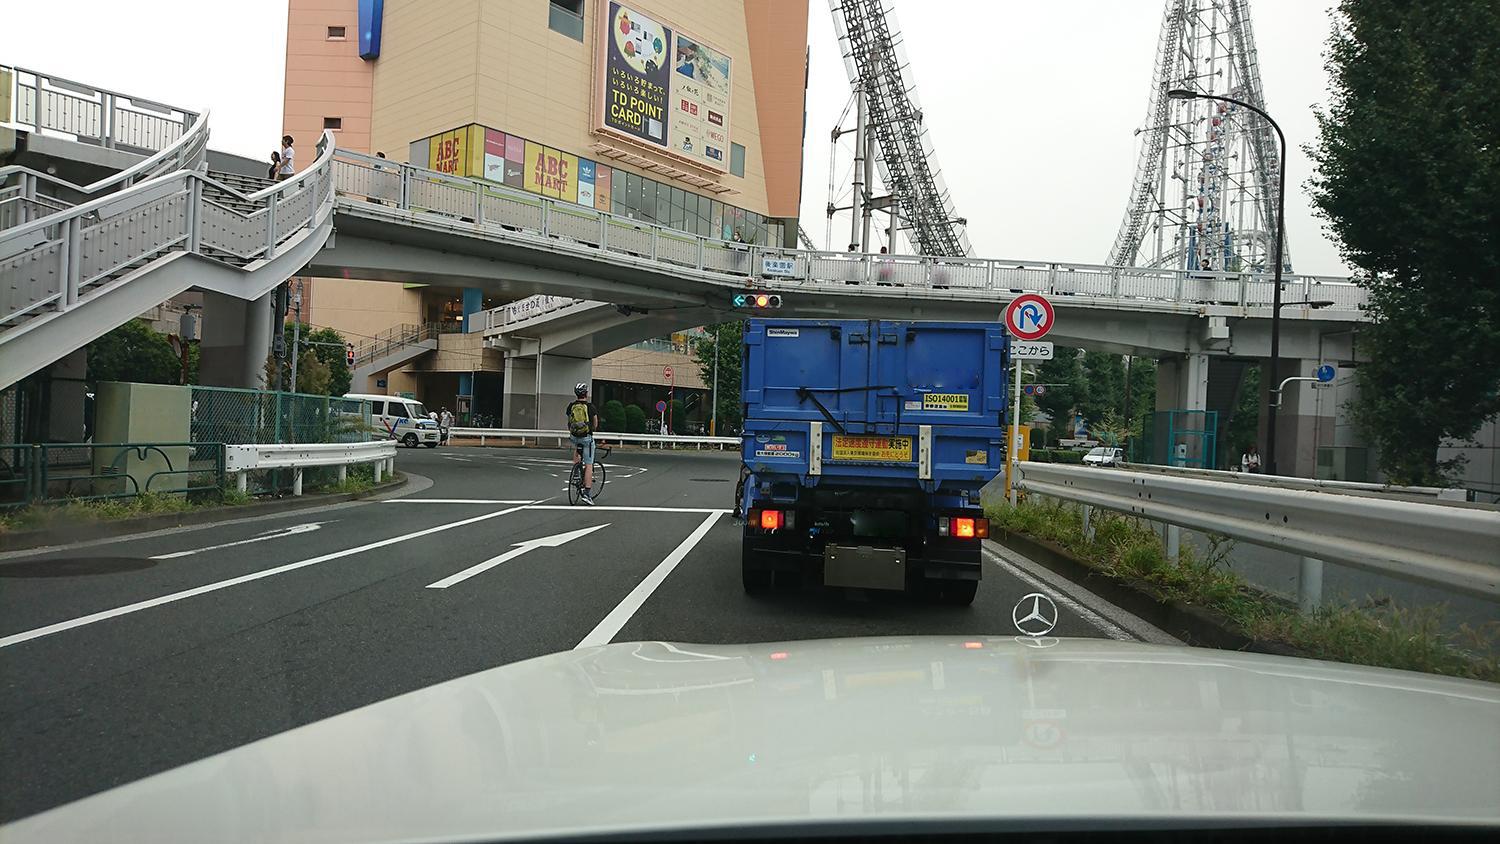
x=682 y=113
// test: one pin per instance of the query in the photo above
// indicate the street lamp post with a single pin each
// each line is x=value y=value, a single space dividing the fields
x=1184 y=94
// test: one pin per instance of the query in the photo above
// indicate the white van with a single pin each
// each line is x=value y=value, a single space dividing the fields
x=401 y=419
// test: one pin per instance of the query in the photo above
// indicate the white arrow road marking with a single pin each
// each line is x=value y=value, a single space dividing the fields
x=519 y=549
x=91 y=618
x=270 y=534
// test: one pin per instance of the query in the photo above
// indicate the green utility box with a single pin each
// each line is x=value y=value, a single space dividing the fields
x=141 y=413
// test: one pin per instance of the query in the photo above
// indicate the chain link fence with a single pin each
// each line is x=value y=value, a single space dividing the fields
x=244 y=417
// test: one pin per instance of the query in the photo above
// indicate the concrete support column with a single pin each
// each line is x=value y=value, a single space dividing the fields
x=236 y=341
x=1307 y=418
x=1181 y=384
x=559 y=376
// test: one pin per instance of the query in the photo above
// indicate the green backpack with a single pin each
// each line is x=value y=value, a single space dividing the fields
x=578 y=419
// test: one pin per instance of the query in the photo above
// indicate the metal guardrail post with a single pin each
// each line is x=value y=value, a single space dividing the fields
x=1171 y=536
x=655 y=236
x=546 y=219
x=405 y=199
x=1088 y=522
x=297 y=481
x=107 y=120
x=1310 y=585
x=478 y=204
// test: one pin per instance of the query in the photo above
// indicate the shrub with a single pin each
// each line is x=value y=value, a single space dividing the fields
x=635 y=420
x=612 y=415
x=678 y=417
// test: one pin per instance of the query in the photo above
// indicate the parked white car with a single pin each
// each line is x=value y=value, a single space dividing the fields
x=1103 y=456
x=401 y=419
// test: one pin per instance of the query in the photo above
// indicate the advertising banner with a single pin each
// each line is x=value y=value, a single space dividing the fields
x=494 y=155
x=603 y=176
x=515 y=161
x=449 y=152
x=586 y=182
x=699 y=118
x=635 y=75
x=663 y=88
x=551 y=173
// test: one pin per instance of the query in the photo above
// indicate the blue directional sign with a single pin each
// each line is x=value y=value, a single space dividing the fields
x=1325 y=373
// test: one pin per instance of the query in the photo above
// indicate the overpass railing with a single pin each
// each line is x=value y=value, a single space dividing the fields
x=60 y=261
x=1448 y=544
x=501 y=210
x=49 y=103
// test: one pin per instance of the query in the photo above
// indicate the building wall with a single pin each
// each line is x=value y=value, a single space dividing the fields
x=324 y=78
x=777 y=34
x=644 y=366
x=363 y=309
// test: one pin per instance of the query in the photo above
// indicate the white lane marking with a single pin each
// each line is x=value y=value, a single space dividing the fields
x=523 y=468
x=1109 y=629
x=270 y=534
x=603 y=507
x=605 y=630
x=517 y=550
x=459 y=501
x=103 y=615
x=460 y=459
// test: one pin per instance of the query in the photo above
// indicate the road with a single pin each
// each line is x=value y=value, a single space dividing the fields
x=123 y=658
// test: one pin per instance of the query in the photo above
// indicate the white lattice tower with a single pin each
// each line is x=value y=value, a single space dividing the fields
x=1204 y=195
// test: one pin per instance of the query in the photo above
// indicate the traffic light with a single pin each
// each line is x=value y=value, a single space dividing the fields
x=757 y=301
x=349 y=353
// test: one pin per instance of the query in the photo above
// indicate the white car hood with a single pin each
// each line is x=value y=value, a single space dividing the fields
x=653 y=736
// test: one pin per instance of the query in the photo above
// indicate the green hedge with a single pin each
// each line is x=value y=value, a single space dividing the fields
x=635 y=419
x=612 y=415
x=1056 y=455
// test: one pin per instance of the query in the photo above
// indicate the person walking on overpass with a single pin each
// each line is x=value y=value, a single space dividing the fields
x=583 y=420
x=288 y=166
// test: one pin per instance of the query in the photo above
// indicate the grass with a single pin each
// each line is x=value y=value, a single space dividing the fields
x=1379 y=633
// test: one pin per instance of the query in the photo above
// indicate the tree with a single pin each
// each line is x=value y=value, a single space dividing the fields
x=313 y=376
x=677 y=416
x=1114 y=430
x=723 y=341
x=328 y=347
x=134 y=352
x=1408 y=172
x=612 y=415
x=635 y=419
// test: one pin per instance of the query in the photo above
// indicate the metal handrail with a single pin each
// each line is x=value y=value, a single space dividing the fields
x=524 y=215
x=54 y=263
x=183 y=153
x=107 y=98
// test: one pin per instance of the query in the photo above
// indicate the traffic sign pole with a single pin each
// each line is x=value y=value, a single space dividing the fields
x=1015 y=435
x=1028 y=317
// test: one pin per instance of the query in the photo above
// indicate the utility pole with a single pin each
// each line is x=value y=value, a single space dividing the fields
x=296 y=332
x=713 y=413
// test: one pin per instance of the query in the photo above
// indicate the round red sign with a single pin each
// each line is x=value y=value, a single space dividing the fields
x=1029 y=317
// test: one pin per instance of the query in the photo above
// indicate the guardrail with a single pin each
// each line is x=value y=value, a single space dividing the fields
x=501 y=209
x=1317 y=484
x=603 y=437
x=1450 y=544
x=240 y=460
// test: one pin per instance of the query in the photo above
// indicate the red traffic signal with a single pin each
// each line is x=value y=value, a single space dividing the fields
x=349 y=353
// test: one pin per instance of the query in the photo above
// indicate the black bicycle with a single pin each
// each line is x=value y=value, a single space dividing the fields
x=575 y=479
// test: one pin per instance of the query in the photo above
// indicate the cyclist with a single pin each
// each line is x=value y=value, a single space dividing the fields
x=583 y=418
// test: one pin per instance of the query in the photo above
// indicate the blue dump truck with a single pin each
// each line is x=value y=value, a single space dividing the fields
x=865 y=445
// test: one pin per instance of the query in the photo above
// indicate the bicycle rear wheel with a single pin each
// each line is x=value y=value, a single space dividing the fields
x=575 y=481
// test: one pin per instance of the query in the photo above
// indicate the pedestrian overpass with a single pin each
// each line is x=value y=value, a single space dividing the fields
x=77 y=261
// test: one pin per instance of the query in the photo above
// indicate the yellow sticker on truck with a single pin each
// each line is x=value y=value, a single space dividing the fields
x=945 y=401
x=873 y=448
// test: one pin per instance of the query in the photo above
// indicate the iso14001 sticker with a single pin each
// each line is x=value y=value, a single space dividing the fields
x=945 y=401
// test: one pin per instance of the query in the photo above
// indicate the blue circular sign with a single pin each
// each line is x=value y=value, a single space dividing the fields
x=1325 y=373
x=661 y=407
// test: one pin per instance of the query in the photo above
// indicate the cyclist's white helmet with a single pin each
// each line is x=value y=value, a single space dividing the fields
x=580 y=389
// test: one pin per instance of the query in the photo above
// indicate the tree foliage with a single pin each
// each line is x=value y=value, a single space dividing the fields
x=332 y=378
x=1408 y=175
x=677 y=416
x=134 y=352
x=723 y=342
x=612 y=416
x=1093 y=384
x=635 y=419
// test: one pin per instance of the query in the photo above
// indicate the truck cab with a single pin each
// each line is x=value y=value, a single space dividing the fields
x=867 y=443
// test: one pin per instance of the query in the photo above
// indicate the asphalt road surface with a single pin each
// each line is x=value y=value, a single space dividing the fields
x=126 y=657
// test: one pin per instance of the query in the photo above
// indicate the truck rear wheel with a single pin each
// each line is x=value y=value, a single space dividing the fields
x=954 y=593
x=757 y=580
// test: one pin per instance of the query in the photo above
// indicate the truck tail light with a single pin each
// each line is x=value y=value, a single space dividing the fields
x=771 y=520
x=964 y=527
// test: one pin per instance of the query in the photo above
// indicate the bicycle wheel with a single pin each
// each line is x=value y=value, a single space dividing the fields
x=598 y=479
x=575 y=481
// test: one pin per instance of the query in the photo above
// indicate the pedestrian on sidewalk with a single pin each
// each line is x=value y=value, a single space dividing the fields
x=288 y=167
x=445 y=422
x=1250 y=460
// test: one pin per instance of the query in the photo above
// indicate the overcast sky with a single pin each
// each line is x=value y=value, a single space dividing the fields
x=1032 y=105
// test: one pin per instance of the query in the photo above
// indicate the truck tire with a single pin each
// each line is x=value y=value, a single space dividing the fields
x=757 y=580
x=410 y=440
x=955 y=593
